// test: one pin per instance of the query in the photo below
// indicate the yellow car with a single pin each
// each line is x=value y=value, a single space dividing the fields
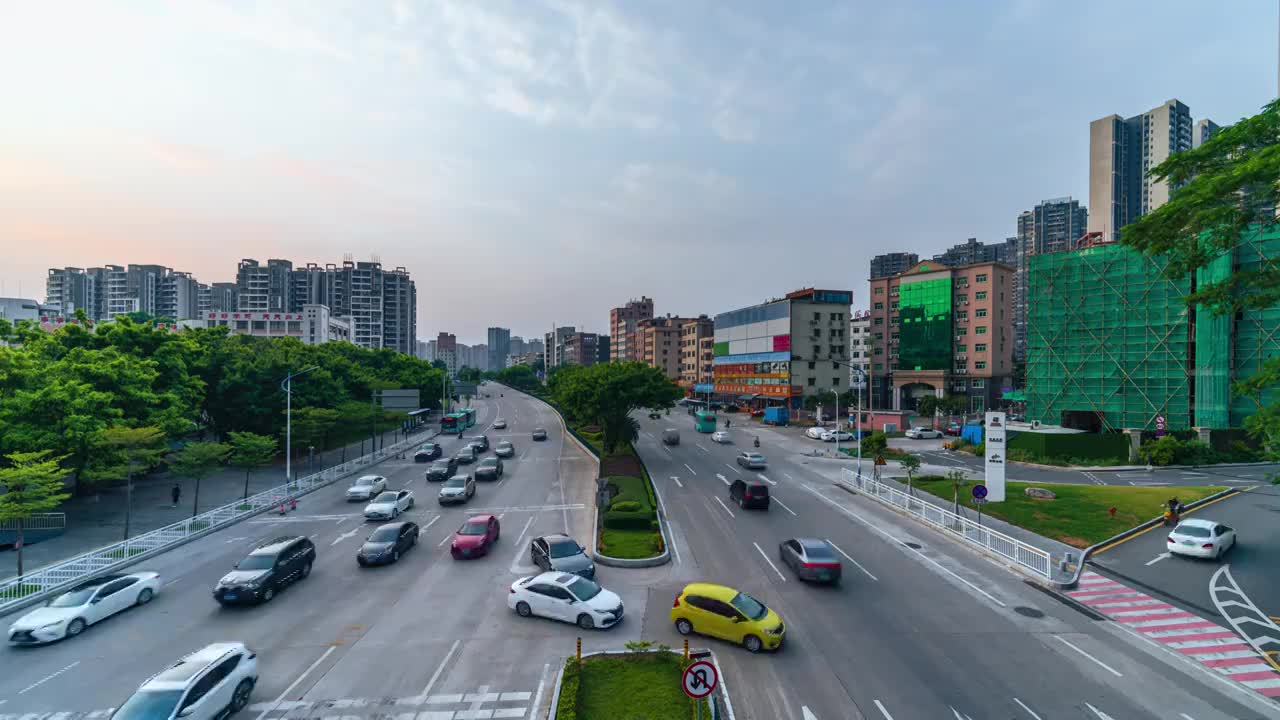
x=725 y=613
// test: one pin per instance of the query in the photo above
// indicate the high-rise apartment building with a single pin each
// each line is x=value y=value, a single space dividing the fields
x=622 y=328
x=179 y=296
x=263 y=288
x=697 y=352
x=399 y=310
x=938 y=330
x=860 y=347
x=72 y=288
x=1053 y=225
x=447 y=351
x=224 y=297
x=584 y=348
x=1121 y=154
x=658 y=340
x=892 y=264
x=971 y=251
x=499 y=347
x=1204 y=130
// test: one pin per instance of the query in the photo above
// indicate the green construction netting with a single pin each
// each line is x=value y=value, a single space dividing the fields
x=1257 y=332
x=1213 y=348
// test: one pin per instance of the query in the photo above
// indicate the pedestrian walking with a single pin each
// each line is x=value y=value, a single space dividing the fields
x=176 y=493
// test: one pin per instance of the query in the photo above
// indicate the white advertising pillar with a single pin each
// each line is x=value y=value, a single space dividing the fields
x=994 y=443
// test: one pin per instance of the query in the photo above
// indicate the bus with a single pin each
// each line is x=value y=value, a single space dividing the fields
x=455 y=423
x=471 y=415
x=706 y=422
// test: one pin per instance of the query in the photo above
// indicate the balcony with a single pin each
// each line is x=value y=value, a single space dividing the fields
x=961 y=371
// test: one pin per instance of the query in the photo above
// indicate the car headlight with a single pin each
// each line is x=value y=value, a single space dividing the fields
x=253 y=584
x=52 y=625
x=774 y=630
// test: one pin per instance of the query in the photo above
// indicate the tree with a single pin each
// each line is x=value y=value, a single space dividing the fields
x=470 y=374
x=910 y=463
x=32 y=484
x=311 y=427
x=439 y=365
x=249 y=452
x=198 y=460
x=126 y=452
x=1230 y=187
x=929 y=406
x=958 y=480
x=607 y=394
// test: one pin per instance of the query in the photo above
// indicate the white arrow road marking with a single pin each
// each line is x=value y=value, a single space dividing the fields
x=1101 y=715
x=723 y=479
x=695 y=472
x=787 y=476
x=766 y=479
x=1030 y=712
x=808 y=714
x=781 y=577
x=344 y=536
x=1157 y=559
x=677 y=480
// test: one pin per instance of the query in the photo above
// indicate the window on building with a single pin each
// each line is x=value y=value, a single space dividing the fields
x=893 y=336
x=817 y=316
x=980 y=330
x=879 y=291
x=813 y=381
x=980 y=347
x=979 y=384
x=980 y=365
x=979 y=403
x=817 y=350
x=835 y=366
x=880 y=336
x=878 y=306
x=837 y=317
x=817 y=332
x=960 y=332
x=980 y=295
x=835 y=381
x=962 y=298
x=879 y=351
x=893 y=305
x=878 y=321
x=812 y=364
x=878 y=366
x=980 y=312
x=981 y=277
x=961 y=348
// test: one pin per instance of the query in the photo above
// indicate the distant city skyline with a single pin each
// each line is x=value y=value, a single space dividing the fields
x=531 y=165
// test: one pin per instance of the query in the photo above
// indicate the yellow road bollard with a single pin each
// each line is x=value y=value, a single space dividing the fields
x=579 y=643
x=686 y=649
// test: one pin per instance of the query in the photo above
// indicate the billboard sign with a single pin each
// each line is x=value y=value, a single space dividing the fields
x=995 y=442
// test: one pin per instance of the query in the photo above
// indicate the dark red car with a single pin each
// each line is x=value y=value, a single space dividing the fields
x=475 y=537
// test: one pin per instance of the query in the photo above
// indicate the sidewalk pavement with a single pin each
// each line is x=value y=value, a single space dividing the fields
x=94 y=521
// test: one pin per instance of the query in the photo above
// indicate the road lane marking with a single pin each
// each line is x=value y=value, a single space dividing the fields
x=1185 y=716
x=673 y=477
x=731 y=467
x=439 y=669
x=1156 y=559
x=958 y=714
x=1105 y=666
x=726 y=507
x=702 y=448
x=781 y=577
x=542 y=684
x=1148 y=484
x=883 y=712
x=344 y=536
x=299 y=679
x=855 y=562
x=808 y=714
x=446 y=539
x=723 y=479
x=522 y=532
x=1030 y=712
x=695 y=472
x=763 y=477
x=1101 y=715
x=784 y=506
x=234 y=539
x=787 y=476
x=46 y=678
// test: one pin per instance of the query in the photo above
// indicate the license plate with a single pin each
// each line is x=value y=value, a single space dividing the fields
x=229 y=596
x=1188 y=543
x=824 y=575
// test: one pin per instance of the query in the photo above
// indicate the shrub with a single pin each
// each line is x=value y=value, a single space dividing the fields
x=641 y=520
x=630 y=488
x=567 y=705
x=625 y=506
x=874 y=444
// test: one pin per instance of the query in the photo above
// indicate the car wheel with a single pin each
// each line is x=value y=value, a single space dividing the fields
x=240 y=698
x=742 y=502
x=585 y=622
x=752 y=644
x=268 y=594
x=523 y=609
x=145 y=596
x=75 y=627
x=306 y=570
x=395 y=556
x=411 y=502
x=395 y=513
x=684 y=627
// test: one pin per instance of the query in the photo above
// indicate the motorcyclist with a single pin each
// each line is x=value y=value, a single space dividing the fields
x=1173 y=511
x=757 y=442
x=727 y=423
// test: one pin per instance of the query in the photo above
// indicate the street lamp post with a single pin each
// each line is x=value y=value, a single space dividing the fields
x=287 y=386
x=836 y=393
x=862 y=378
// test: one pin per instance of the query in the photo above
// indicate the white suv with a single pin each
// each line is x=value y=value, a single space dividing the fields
x=207 y=684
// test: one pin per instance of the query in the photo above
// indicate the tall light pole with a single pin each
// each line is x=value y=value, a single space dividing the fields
x=862 y=378
x=836 y=393
x=287 y=386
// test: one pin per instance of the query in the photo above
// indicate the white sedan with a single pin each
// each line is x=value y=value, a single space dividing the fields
x=389 y=505
x=923 y=433
x=815 y=432
x=366 y=487
x=499 y=424
x=1195 y=537
x=71 y=612
x=564 y=596
x=721 y=436
x=834 y=435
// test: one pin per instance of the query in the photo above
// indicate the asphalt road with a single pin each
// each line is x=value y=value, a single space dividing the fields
x=921 y=628
x=427 y=635
x=1242 y=587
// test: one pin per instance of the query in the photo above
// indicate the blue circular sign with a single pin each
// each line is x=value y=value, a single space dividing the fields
x=979 y=491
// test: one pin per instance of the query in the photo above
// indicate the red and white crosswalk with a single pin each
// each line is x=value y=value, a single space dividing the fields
x=1208 y=643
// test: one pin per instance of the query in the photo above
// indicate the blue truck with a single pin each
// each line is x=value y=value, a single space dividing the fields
x=776 y=416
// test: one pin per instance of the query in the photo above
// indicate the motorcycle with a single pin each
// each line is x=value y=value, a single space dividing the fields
x=757 y=442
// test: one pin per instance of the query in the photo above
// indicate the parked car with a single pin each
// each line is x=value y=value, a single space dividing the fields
x=749 y=493
x=954 y=429
x=815 y=432
x=68 y=614
x=1198 y=537
x=561 y=553
x=442 y=470
x=459 y=488
x=365 y=487
x=489 y=468
x=834 y=435
x=721 y=436
x=269 y=568
x=211 y=683
x=723 y=612
x=565 y=597
x=466 y=455
x=504 y=449
x=499 y=424
x=476 y=536
x=480 y=443
x=811 y=559
x=389 y=505
x=670 y=436
x=388 y=543
x=539 y=434
x=427 y=453
x=923 y=433
x=751 y=460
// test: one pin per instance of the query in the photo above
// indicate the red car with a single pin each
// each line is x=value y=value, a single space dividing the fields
x=475 y=537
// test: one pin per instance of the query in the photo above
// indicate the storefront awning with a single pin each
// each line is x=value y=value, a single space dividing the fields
x=747 y=397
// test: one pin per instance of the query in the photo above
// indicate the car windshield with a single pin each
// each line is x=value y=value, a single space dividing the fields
x=819 y=552
x=75 y=598
x=504 y=444
x=489 y=462
x=429 y=447
x=364 y=482
x=256 y=562
x=568 y=548
x=466 y=450
x=749 y=606
x=384 y=534
x=1192 y=531
x=386 y=497
x=455 y=481
x=584 y=589
x=441 y=465
x=474 y=528
x=149 y=705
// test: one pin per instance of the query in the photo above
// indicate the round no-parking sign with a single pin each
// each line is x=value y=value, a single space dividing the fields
x=700 y=679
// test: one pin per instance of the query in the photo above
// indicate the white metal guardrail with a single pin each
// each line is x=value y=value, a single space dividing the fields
x=1027 y=556
x=38 y=521
x=20 y=591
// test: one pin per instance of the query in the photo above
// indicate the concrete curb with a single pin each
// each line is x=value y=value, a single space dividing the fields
x=1132 y=468
x=722 y=689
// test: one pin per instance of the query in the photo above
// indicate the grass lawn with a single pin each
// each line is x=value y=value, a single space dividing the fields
x=633 y=687
x=1079 y=515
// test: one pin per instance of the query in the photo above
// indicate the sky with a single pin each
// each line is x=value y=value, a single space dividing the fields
x=541 y=161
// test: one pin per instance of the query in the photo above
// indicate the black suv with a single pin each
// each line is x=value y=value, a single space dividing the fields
x=427 y=453
x=266 y=571
x=480 y=443
x=442 y=470
x=750 y=493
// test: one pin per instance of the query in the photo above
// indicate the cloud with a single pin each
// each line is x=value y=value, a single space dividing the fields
x=268 y=25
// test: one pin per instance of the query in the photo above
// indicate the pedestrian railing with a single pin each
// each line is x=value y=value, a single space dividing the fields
x=34 y=586
x=38 y=521
x=1026 y=556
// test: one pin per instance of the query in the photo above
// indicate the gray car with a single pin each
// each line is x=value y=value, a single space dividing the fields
x=751 y=460
x=561 y=553
x=457 y=489
x=505 y=449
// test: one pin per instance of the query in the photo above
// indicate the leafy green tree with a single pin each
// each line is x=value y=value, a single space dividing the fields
x=874 y=444
x=910 y=463
x=958 y=481
x=1230 y=187
x=197 y=461
x=470 y=374
x=125 y=452
x=929 y=406
x=607 y=393
x=312 y=426
x=439 y=365
x=250 y=452
x=520 y=377
x=32 y=484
